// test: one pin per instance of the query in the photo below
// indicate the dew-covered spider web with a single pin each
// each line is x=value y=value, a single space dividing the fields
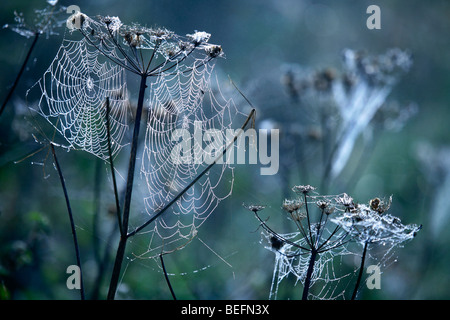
x=191 y=104
x=337 y=265
x=73 y=92
x=183 y=106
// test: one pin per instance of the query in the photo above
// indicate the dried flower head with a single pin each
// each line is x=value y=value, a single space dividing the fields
x=253 y=207
x=45 y=21
x=199 y=37
x=346 y=201
x=292 y=206
x=367 y=225
x=325 y=206
x=303 y=189
x=213 y=50
x=112 y=23
x=379 y=205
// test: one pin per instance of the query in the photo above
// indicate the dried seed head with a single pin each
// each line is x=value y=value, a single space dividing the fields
x=213 y=50
x=292 y=206
x=374 y=204
x=346 y=201
x=112 y=23
x=253 y=207
x=380 y=206
x=161 y=34
x=322 y=204
x=199 y=37
x=298 y=216
x=303 y=189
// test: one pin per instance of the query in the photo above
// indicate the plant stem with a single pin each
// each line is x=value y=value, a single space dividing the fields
x=19 y=75
x=167 y=277
x=113 y=174
x=307 y=217
x=129 y=188
x=72 y=224
x=312 y=261
x=361 y=268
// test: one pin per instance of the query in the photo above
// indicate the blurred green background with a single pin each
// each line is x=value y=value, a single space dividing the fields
x=258 y=37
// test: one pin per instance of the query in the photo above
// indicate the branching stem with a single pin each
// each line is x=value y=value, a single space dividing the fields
x=129 y=188
x=361 y=268
x=72 y=223
x=309 y=273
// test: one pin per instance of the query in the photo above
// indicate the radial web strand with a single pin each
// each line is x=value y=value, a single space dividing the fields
x=73 y=92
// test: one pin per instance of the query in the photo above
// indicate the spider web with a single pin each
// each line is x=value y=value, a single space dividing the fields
x=192 y=102
x=73 y=91
x=182 y=96
x=329 y=279
x=335 y=270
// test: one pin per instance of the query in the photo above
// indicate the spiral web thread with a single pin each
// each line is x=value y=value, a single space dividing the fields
x=73 y=94
x=183 y=101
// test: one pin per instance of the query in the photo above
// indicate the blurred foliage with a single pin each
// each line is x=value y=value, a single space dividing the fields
x=258 y=38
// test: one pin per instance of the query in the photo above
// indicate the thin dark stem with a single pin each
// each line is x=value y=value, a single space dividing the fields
x=19 y=75
x=117 y=266
x=309 y=273
x=96 y=215
x=129 y=188
x=122 y=51
x=113 y=174
x=361 y=268
x=279 y=237
x=320 y=231
x=167 y=277
x=155 y=49
x=309 y=222
x=158 y=69
x=319 y=228
x=72 y=224
x=299 y=225
x=118 y=62
x=133 y=152
x=328 y=239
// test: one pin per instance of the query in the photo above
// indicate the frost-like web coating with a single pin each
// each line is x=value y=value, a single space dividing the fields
x=185 y=101
x=73 y=93
x=328 y=280
x=326 y=255
x=178 y=195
